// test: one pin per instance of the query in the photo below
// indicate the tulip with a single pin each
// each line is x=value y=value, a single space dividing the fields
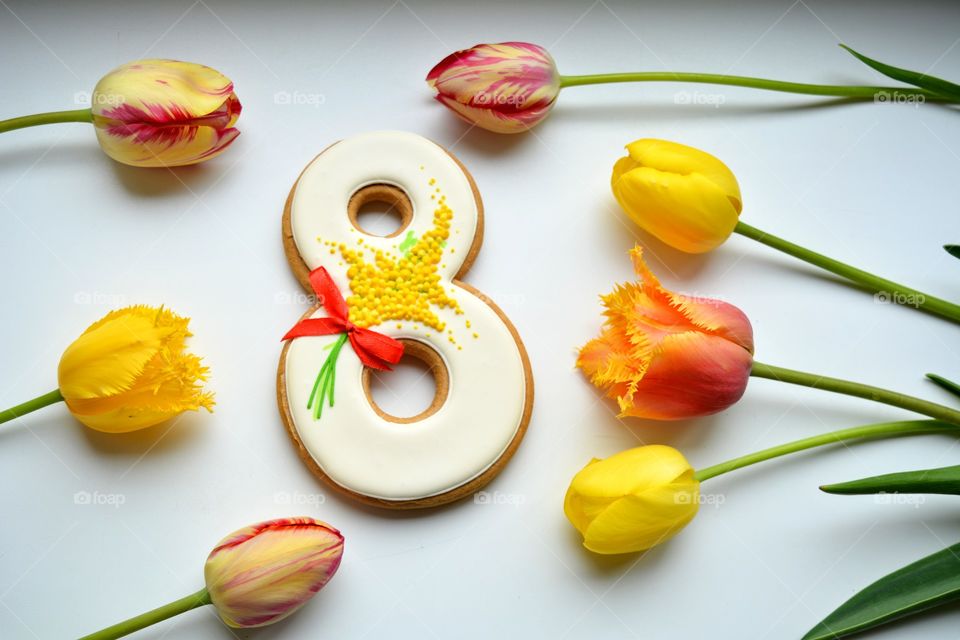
x=127 y=371
x=633 y=500
x=256 y=576
x=156 y=113
x=511 y=86
x=691 y=201
x=665 y=356
x=685 y=197
x=507 y=87
x=262 y=574
x=642 y=497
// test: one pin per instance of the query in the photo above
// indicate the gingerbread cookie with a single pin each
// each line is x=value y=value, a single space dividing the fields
x=380 y=297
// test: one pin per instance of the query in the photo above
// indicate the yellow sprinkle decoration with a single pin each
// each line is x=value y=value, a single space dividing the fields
x=401 y=288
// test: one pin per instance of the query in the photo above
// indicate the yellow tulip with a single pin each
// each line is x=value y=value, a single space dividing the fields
x=164 y=113
x=633 y=500
x=129 y=370
x=685 y=197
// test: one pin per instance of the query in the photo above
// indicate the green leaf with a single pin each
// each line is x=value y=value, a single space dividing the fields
x=925 y=584
x=953 y=249
x=943 y=383
x=944 y=480
x=922 y=80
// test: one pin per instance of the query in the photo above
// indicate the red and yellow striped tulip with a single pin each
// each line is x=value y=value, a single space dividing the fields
x=263 y=573
x=507 y=87
x=666 y=356
x=164 y=113
x=633 y=500
x=684 y=196
x=130 y=370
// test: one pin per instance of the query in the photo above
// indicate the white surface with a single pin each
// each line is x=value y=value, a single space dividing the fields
x=875 y=184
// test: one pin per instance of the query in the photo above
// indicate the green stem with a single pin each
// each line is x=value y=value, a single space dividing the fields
x=843 y=91
x=30 y=405
x=881 y=430
x=888 y=289
x=856 y=389
x=53 y=117
x=175 y=608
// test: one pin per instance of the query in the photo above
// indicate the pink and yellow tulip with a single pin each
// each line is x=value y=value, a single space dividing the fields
x=511 y=86
x=507 y=87
x=263 y=573
x=666 y=356
x=164 y=113
x=255 y=576
x=155 y=113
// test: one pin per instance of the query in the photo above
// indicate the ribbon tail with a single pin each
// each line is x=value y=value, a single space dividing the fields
x=328 y=293
x=315 y=327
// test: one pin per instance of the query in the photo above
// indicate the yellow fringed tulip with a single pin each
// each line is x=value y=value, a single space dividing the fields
x=129 y=371
x=685 y=197
x=633 y=500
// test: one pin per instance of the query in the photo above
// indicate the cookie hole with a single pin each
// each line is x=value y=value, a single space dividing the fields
x=380 y=210
x=416 y=388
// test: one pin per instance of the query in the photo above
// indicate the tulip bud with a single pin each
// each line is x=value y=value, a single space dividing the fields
x=263 y=573
x=164 y=113
x=129 y=370
x=685 y=197
x=633 y=500
x=505 y=88
x=666 y=356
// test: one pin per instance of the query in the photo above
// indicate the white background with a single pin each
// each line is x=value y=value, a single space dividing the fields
x=873 y=184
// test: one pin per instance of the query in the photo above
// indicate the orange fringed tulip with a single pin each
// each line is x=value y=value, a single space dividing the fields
x=164 y=113
x=263 y=573
x=633 y=500
x=685 y=197
x=665 y=356
x=129 y=370
x=507 y=87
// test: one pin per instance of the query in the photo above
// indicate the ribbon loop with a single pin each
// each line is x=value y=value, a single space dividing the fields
x=375 y=350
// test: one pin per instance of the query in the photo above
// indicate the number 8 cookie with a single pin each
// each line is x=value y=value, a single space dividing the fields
x=378 y=297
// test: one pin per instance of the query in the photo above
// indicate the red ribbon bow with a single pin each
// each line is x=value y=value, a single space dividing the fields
x=375 y=350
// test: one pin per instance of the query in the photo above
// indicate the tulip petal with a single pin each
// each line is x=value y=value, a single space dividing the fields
x=637 y=523
x=691 y=375
x=106 y=360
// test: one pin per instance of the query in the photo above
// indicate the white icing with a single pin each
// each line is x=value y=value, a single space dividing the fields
x=353 y=445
